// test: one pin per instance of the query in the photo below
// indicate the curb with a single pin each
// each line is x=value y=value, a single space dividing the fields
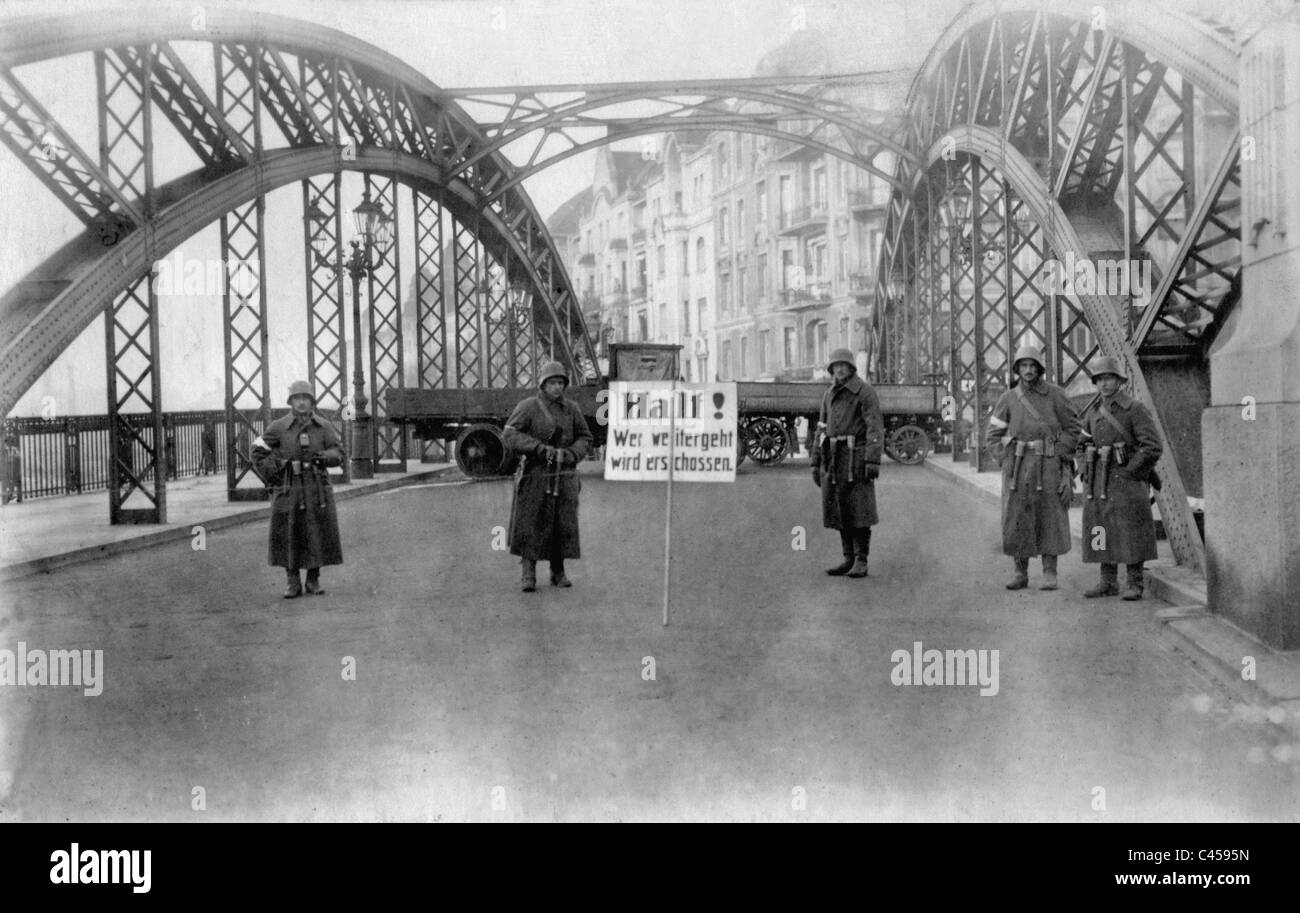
x=173 y=533
x=1210 y=641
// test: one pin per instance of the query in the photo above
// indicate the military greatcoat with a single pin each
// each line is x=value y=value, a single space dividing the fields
x=1034 y=522
x=304 y=524
x=1125 y=513
x=543 y=525
x=848 y=496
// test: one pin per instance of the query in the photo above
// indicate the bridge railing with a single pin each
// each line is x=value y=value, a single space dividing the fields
x=70 y=455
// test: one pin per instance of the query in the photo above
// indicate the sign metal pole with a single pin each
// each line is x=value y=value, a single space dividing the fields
x=668 y=510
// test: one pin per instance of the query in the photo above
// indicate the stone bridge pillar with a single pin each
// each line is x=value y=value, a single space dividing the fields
x=1251 y=431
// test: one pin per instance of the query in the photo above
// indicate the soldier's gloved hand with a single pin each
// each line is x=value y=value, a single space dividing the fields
x=566 y=455
x=817 y=474
x=873 y=472
x=1066 y=491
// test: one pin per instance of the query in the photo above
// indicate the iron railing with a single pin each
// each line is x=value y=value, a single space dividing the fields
x=70 y=455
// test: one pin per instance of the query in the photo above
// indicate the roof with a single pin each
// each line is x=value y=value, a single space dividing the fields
x=564 y=221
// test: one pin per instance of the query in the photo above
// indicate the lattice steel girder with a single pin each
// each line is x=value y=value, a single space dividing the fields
x=1210 y=250
x=94 y=273
x=243 y=320
x=1203 y=52
x=804 y=104
x=184 y=102
x=430 y=308
x=327 y=352
x=136 y=448
x=466 y=288
x=340 y=84
x=384 y=290
x=39 y=142
x=125 y=107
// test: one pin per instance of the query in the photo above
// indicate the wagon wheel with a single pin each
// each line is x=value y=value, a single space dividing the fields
x=908 y=445
x=766 y=441
x=480 y=451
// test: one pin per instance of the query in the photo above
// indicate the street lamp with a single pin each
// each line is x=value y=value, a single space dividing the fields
x=375 y=230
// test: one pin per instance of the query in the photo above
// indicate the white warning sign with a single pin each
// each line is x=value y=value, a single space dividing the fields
x=654 y=424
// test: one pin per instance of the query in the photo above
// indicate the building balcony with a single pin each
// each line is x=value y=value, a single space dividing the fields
x=587 y=259
x=805 y=220
x=639 y=293
x=722 y=251
x=638 y=237
x=813 y=295
x=618 y=244
x=862 y=202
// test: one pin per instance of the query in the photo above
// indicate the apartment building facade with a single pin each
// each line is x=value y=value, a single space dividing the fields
x=638 y=245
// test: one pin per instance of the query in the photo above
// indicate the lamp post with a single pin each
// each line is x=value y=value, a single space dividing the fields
x=375 y=229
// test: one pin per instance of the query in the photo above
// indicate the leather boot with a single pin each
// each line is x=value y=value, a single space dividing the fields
x=861 y=549
x=557 y=574
x=1109 y=584
x=1021 y=580
x=529 y=580
x=313 y=587
x=846 y=547
x=294 y=588
x=1049 y=573
x=1133 y=590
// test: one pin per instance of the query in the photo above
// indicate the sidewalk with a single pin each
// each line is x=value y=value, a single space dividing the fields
x=1211 y=641
x=46 y=533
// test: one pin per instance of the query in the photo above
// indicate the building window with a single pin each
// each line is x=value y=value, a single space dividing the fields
x=762 y=276
x=821 y=344
x=725 y=367
x=643 y=325
x=788 y=270
x=790 y=344
x=686 y=317
x=724 y=165
x=844 y=333
x=723 y=224
x=724 y=293
x=740 y=223
x=761 y=192
x=764 y=340
x=686 y=259
x=661 y=331
x=743 y=303
x=659 y=260
x=699 y=255
x=703 y=307
x=744 y=358
x=688 y=370
x=785 y=202
x=677 y=200
x=819 y=188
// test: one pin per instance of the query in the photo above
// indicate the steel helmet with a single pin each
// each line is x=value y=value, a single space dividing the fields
x=1107 y=365
x=301 y=387
x=843 y=355
x=1033 y=353
x=552 y=369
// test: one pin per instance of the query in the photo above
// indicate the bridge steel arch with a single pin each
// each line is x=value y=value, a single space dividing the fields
x=337 y=104
x=1075 y=130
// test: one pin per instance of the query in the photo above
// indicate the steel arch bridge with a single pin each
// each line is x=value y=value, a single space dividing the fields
x=290 y=102
x=1080 y=134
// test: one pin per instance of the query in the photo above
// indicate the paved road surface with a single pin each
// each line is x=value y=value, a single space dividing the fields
x=772 y=697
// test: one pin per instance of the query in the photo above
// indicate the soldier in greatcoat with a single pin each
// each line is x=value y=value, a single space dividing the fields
x=846 y=462
x=1033 y=432
x=292 y=455
x=552 y=437
x=1119 y=448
